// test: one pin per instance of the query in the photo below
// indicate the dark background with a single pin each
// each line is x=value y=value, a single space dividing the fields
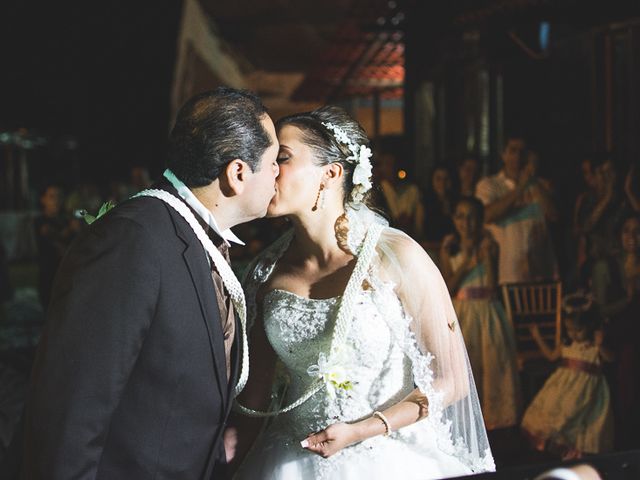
x=99 y=72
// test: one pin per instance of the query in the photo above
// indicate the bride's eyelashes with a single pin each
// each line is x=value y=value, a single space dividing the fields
x=283 y=158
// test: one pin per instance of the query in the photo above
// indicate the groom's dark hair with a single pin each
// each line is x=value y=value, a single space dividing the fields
x=212 y=129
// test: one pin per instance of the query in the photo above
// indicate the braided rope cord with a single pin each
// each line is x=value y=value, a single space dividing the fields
x=231 y=282
x=343 y=319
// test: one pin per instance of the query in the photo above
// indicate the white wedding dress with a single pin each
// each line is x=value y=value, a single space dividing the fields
x=387 y=354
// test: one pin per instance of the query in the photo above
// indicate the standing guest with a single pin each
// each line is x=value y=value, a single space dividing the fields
x=6 y=289
x=571 y=415
x=85 y=196
x=517 y=208
x=54 y=231
x=468 y=170
x=400 y=199
x=584 y=205
x=606 y=216
x=438 y=206
x=616 y=285
x=469 y=262
x=139 y=179
x=631 y=189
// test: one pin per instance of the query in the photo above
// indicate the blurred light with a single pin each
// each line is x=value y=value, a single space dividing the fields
x=402 y=174
x=392 y=4
x=380 y=21
x=545 y=29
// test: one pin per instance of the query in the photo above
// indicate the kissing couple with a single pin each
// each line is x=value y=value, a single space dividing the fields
x=338 y=356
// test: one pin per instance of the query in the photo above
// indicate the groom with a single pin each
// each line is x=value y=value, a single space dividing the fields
x=135 y=371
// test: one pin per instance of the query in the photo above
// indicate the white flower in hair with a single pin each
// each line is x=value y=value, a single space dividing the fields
x=362 y=172
x=360 y=155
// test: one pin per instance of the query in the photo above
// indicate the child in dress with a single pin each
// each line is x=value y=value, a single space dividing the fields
x=469 y=264
x=571 y=415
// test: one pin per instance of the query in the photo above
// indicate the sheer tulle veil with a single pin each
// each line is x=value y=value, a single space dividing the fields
x=427 y=331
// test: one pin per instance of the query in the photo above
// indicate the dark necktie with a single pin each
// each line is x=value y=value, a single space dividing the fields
x=227 y=317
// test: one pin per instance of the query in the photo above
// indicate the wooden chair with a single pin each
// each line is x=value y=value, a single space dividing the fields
x=539 y=303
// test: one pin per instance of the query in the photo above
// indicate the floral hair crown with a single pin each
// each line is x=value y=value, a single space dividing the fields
x=577 y=302
x=360 y=156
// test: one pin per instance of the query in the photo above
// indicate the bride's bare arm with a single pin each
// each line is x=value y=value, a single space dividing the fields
x=334 y=438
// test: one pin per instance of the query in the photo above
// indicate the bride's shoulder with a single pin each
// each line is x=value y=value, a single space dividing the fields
x=261 y=266
x=398 y=247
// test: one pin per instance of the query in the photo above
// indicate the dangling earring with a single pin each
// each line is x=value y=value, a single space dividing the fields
x=320 y=193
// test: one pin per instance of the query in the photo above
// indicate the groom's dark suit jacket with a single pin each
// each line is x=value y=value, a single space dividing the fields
x=129 y=380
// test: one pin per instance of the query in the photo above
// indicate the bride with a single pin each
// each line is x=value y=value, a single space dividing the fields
x=356 y=357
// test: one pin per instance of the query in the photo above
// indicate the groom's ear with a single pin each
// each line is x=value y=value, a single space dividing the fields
x=233 y=177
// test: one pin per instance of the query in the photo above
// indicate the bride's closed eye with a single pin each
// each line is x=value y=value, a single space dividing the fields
x=283 y=158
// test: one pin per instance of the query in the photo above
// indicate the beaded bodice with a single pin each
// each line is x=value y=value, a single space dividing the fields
x=299 y=329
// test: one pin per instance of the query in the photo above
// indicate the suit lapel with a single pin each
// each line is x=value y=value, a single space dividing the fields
x=196 y=262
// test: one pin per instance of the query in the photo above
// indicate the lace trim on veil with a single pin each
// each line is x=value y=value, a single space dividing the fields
x=423 y=378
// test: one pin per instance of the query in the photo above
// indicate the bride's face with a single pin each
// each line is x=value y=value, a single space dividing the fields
x=299 y=180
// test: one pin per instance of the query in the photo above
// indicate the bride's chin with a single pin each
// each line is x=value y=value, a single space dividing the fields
x=273 y=211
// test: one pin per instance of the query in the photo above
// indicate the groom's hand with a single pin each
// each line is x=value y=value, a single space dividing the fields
x=331 y=440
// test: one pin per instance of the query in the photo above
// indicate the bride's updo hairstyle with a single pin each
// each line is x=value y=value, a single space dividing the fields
x=326 y=147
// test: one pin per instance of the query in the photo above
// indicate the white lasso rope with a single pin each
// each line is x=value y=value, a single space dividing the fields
x=229 y=278
x=343 y=319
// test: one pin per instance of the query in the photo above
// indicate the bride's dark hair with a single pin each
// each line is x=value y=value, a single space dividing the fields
x=324 y=144
x=327 y=149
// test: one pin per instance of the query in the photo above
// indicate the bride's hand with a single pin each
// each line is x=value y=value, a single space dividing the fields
x=331 y=440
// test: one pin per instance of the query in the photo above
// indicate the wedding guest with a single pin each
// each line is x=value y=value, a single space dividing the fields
x=605 y=218
x=581 y=471
x=139 y=179
x=469 y=260
x=468 y=170
x=616 y=285
x=85 y=196
x=571 y=415
x=631 y=189
x=54 y=231
x=6 y=290
x=517 y=208
x=400 y=199
x=585 y=202
x=439 y=200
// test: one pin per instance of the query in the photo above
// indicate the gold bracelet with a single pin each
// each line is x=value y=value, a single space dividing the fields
x=387 y=425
